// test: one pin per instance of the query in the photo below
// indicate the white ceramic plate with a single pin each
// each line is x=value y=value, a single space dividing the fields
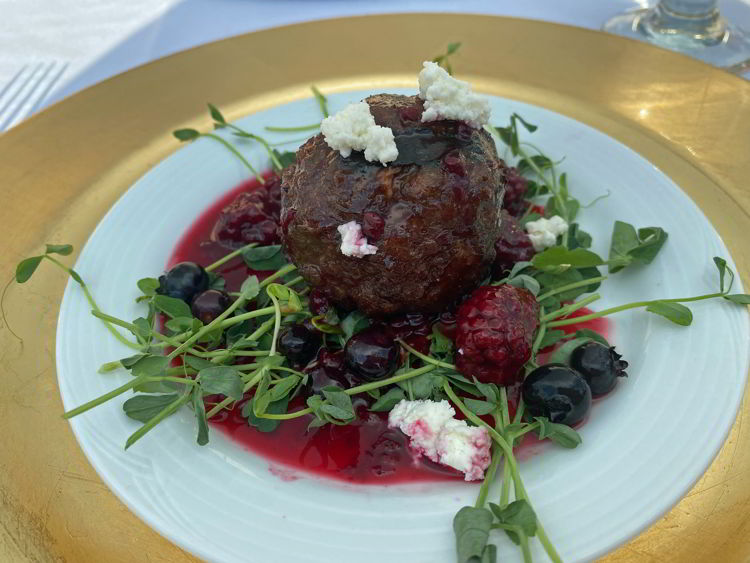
x=644 y=446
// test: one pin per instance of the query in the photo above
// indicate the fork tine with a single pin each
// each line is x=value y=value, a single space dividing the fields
x=28 y=88
x=8 y=105
x=10 y=84
x=50 y=84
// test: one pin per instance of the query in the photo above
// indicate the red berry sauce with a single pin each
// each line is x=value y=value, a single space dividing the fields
x=365 y=452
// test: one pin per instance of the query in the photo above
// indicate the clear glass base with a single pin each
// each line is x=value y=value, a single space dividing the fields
x=709 y=38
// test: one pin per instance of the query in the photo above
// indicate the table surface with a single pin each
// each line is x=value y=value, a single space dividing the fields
x=101 y=38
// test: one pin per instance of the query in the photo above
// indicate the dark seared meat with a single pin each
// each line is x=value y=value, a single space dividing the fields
x=433 y=213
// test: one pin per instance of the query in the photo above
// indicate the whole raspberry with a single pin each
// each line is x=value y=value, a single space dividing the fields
x=515 y=190
x=513 y=245
x=495 y=331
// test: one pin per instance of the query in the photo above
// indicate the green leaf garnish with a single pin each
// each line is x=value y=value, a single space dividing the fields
x=148 y=286
x=26 y=268
x=562 y=256
x=221 y=380
x=265 y=424
x=264 y=258
x=472 y=528
x=61 y=249
x=595 y=336
x=444 y=59
x=518 y=514
x=388 y=400
x=560 y=434
x=216 y=114
x=563 y=353
x=630 y=247
x=144 y=407
x=183 y=135
x=149 y=366
x=200 y=415
x=353 y=323
x=172 y=307
x=675 y=312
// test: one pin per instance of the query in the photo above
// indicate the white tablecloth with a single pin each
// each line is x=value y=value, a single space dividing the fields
x=100 y=38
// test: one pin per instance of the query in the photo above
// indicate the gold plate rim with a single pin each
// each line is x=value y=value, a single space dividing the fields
x=92 y=146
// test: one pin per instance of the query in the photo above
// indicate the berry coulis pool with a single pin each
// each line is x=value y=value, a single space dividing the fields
x=364 y=452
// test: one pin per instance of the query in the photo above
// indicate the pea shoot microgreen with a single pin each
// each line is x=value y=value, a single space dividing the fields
x=444 y=59
x=322 y=104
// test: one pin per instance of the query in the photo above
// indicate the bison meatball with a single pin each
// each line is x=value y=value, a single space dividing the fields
x=432 y=215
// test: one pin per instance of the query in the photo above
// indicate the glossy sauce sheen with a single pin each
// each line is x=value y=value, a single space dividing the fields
x=365 y=452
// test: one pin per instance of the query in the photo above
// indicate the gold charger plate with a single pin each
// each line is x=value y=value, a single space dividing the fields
x=62 y=170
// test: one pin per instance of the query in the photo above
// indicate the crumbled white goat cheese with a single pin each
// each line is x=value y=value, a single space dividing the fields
x=353 y=242
x=353 y=128
x=446 y=97
x=544 y=232
x=464 y=447
x=380 y=145
x=434 y=433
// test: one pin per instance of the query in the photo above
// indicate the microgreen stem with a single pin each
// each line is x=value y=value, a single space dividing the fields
x=538 y=340
x=164 y=413
x=261 y=140
x=290 y=142
x=293 y=129
x=492 y=470
x=393 y=379
x=294 y=281
x=228 y=145
x=276 y=275
x=596 y=199
x=576 y=285
x=245 y=316
x=356 y=390
x=276 y=325
x=572 y=308
x=504 y=413
x=216 y=323
x=220 y=353
x=519 y=411
x=166 y=340
x=263 y=328
x=2 y=309
x=424 y=358
x=321 y=99
x=183 y=380
x=507 y=450
x=289 y=370
x=229 y=256
x=526 y=429
x=104 y=398
x=489 y=477
x=92 y=302
x=505 y=490
x=634 y=305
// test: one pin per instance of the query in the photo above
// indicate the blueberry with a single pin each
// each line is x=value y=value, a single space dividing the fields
x=372 y=354
x=599 y=365
x=183 y=281
x=558 y=393
x=298 y=344
x=209 y=304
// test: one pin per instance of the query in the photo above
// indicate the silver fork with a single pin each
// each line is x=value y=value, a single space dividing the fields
x=27 y=90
